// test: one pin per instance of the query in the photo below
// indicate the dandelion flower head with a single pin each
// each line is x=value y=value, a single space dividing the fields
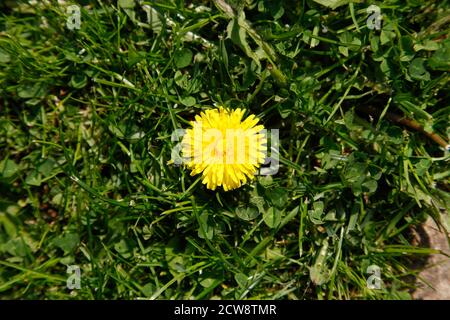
x=224 y=148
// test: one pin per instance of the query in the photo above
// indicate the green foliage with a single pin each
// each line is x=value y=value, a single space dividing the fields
x=86 y=118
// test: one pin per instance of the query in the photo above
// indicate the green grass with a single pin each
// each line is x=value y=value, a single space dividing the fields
x=86 y=118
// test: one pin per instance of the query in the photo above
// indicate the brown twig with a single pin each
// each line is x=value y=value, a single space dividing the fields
x=408 y=122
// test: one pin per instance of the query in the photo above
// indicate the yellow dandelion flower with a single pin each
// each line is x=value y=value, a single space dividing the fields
x=225 y=149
